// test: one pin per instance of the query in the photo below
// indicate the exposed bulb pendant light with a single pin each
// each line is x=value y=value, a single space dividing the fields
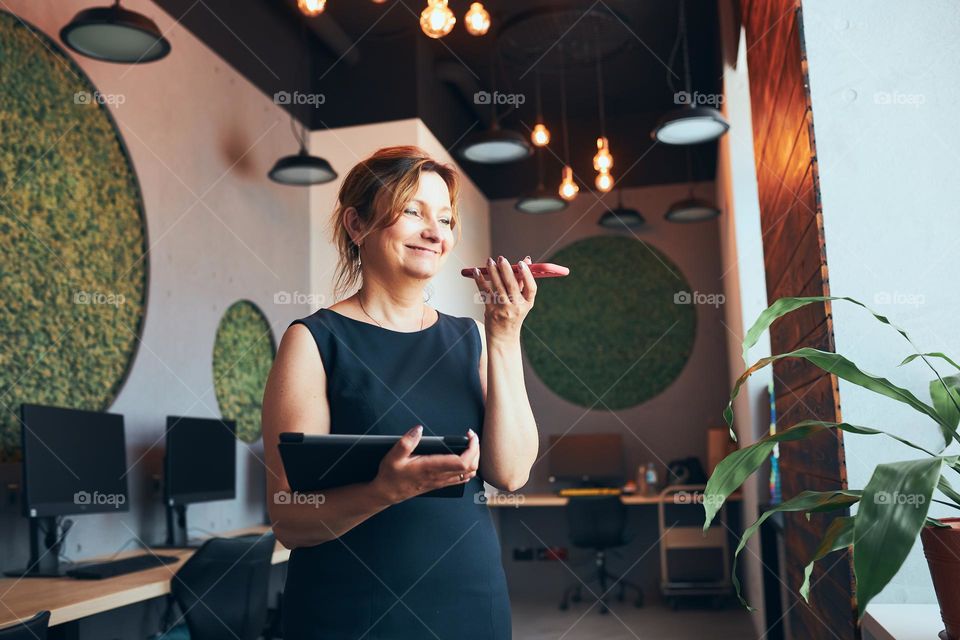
x=477 y=20
x=311 y=8
x=540 y=136
x=622 y=218
x=115 y=34
x=540 y=200
x=568 y=187
x=692 y=123
x=603 y=160
x=437 y=19
x=691 y=209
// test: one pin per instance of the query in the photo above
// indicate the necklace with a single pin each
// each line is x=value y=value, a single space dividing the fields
x=422 y=314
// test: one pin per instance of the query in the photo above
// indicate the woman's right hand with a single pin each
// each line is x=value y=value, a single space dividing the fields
x=403 y=475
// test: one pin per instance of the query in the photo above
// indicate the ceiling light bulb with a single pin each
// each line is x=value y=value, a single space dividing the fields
x=540 y=136
x=312 y=7
x=568 y=188
x=604 y=181
x=603 y=161
x=477 y=20
x=437 y=19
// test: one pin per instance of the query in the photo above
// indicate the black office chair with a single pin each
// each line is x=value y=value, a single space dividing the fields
x=222 y=588
x=33 y=629
x=598 y=523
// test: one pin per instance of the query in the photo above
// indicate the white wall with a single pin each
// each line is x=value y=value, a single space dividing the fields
x=885 y=92
x=344 y=148
x=744 y=278
x=201 y=139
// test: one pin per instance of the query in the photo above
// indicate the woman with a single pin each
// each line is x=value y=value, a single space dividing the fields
x=369 y=561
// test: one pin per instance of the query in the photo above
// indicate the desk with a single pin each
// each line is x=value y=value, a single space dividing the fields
x=69 y=599
x=554 y=500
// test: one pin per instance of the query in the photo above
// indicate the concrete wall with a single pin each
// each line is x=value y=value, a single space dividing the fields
x=201 y=140
x=885 y=92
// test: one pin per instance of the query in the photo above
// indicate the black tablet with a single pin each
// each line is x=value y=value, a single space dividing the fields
x=316 y=462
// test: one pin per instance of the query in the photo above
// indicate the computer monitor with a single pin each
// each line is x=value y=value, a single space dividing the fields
x=200 y=465
x=74 y=462
x=590 y=460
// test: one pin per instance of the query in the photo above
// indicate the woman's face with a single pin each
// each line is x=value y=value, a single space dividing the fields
x=418 y=243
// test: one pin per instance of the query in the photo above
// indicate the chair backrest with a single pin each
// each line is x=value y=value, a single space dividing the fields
x=596 y=522
x=33 y=629
x=222 y=588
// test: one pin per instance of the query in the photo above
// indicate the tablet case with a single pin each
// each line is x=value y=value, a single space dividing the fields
x=316 y=462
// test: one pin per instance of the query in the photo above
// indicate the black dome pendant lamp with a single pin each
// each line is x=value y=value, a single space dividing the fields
x=622 y=218
x=541 y=199
x=302 y=169
x=115 y=34
x=692 y=123
x=691 y=209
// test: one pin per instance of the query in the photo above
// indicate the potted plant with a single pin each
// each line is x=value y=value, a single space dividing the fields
x=893 y=506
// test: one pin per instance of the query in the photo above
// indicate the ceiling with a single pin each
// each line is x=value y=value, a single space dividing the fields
x=371 y=63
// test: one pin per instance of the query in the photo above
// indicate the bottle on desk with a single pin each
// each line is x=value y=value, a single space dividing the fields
x=641 y=480
x=651 y=480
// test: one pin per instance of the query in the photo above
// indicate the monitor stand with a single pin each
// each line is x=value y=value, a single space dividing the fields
x=46 y=563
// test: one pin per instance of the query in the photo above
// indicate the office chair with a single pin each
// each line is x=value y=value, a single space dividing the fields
x=33 y=629
x=598 y=523
x=222 y=588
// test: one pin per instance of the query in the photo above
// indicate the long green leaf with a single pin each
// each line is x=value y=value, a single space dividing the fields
x=934 y=354
x=810 y=501
x=839 y=535
x=892 y=512
x=947 y=489
x=784 y=306
x=847 y=370
x=733 y=470
x=945 y=394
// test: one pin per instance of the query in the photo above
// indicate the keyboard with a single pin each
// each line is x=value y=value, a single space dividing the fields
x=111 y=568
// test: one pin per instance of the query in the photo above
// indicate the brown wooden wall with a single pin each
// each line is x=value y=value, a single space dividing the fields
x=795 y=262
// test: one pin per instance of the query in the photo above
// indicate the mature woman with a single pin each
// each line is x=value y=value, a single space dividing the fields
x=370 y=561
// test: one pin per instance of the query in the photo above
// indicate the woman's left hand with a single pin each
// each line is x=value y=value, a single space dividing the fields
x=507 y=298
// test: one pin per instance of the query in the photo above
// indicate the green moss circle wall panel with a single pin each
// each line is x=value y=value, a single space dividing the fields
x=612 y=328
x=73 y=278
x=243 y=353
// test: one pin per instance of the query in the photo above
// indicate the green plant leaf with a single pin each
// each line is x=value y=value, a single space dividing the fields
x=945 y=394
x=934 y=354
x=892 y=512
x=784 y=306
x=839 y=535
x=843 y=368
x=809 y=501
x=947 y=489
x=731 y=472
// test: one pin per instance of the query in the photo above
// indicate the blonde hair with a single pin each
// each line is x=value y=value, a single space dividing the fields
x=378 y=188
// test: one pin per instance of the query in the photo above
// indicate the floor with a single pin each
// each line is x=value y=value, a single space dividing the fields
x=654 y=621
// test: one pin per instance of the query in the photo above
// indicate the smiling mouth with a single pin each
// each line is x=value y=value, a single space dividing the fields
x=421 y=250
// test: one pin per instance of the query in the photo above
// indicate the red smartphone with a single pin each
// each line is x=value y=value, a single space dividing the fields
x=537 y=270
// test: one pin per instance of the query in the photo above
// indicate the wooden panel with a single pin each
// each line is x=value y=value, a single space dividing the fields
x=795 y=264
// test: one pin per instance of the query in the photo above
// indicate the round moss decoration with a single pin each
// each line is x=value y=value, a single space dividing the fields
x=243 y=353
x=611 y=334
x=74 y=269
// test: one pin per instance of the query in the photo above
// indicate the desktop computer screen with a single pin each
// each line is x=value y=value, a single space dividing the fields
x=201 y=460
x=588 y=459
x=74 y=461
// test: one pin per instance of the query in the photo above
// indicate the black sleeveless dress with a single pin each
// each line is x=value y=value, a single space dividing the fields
x=426 y=567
